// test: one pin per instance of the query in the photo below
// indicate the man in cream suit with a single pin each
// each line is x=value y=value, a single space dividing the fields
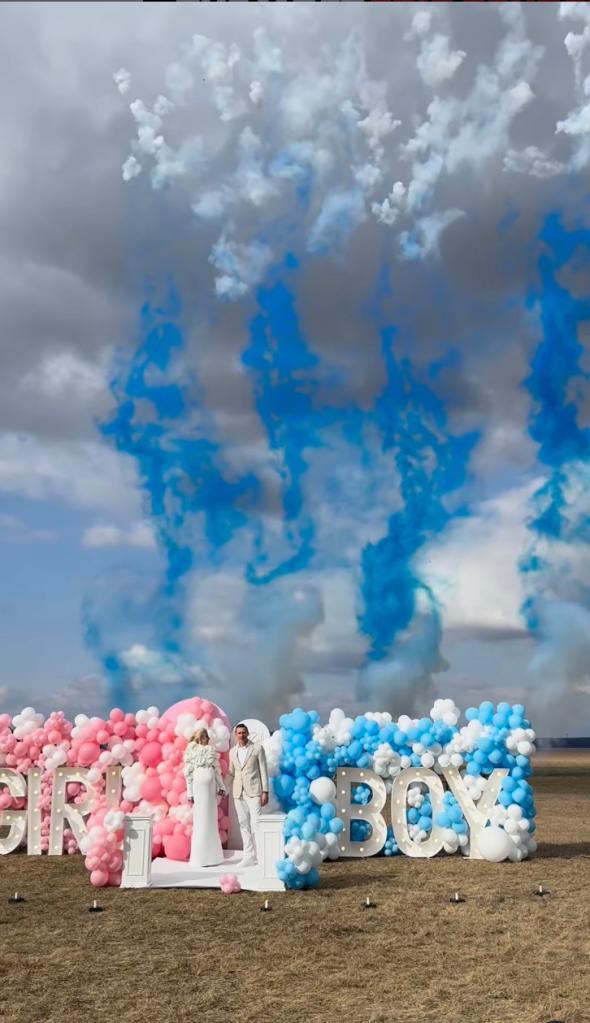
x=247 y=769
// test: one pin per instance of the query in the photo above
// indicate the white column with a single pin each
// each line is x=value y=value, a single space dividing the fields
x=137 y=851
x=270 y=844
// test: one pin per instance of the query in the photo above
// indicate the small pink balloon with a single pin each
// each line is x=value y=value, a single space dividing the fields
x=99 y=878
x=102 y=736
x=117 y=715
x=115 y=878
x=179 y=784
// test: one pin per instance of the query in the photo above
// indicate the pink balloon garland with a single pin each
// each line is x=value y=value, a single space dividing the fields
x=147 y=747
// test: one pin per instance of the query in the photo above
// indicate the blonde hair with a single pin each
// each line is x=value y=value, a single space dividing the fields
x=199 y=733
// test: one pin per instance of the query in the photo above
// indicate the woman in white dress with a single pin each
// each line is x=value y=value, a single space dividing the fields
x=204 y=784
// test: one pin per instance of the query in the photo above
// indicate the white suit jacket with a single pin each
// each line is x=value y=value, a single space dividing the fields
x=251 y=779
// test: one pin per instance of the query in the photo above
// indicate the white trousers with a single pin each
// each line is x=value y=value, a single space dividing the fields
x=248 y=811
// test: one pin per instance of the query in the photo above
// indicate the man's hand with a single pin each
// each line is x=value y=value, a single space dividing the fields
x=264 y=799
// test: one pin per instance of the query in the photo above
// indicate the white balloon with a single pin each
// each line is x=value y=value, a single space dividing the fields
x=322 y=790
x=494 y=844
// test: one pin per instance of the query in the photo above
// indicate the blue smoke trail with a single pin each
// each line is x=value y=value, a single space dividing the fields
x=180 y=471
x=431 y=463
x=553 y=420
x=282 y=369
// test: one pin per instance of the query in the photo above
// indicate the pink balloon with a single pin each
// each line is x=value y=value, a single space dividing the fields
x=115 y=878
x=99 y=878
x=165 y=826
x=176 y=847
x=102 y=736
x=117 y=715
x=173 y=798
x=115 y=861
x=151 y=754
x=151 y=790
x=88 y=753
x=192 y=706
x=179 y=784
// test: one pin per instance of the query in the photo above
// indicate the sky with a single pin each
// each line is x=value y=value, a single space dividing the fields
x=294 y=396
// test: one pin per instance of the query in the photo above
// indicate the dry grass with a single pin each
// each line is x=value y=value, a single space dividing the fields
x=177 y=956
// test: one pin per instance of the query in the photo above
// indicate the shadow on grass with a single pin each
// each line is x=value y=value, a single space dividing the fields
x=562 y=850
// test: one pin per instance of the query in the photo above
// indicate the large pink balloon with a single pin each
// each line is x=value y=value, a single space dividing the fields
x=99 y=878
x=151 y=754
x=151 y=790
x=195 y=705
x=88 y=753
x=176 y=847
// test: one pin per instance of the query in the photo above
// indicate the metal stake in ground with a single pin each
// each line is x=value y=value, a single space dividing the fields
x=456 y=899
x=16 y=898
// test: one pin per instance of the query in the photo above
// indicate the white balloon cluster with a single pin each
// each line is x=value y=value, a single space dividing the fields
x=27 y=721
x=516 y=826
x=452 y=841
x=113 y=820
x=149 y=717
x=446 y=711
x=386 y=762
x=132 y=777
x=521 y=741
x=55 y=756
x=307 y=854
x=273 y=748
x=219 y=734
x=337 y=732
x=121 y=753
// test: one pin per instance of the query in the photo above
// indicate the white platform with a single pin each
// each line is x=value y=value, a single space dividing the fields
x=172 y=874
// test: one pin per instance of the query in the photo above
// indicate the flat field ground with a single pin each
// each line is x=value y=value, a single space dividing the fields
x=176 y=956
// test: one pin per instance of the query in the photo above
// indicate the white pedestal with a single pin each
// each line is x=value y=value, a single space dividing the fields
x=270 y=844
x=137 y=851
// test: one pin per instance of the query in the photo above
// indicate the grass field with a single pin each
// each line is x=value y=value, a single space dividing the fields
x=178 y=956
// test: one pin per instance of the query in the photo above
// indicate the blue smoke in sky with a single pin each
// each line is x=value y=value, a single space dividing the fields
x=431 y=463
x=554 y=384
x=160 y=424
x=281 y=367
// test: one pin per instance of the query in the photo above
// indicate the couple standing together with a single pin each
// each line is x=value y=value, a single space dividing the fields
x=249 y=776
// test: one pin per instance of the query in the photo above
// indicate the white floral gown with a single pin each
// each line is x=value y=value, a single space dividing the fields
x=203 y=780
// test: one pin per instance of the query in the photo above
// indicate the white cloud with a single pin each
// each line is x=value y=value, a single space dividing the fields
x=131 y=168
x=64 y=374
x=473 y=567
x=240 y=267
x=139 y=535
x=436 y=61
x=122 y=80
x=531 y=160
x=148 y=668
x=79 y=473
x=340 y=214
x=425 y=235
